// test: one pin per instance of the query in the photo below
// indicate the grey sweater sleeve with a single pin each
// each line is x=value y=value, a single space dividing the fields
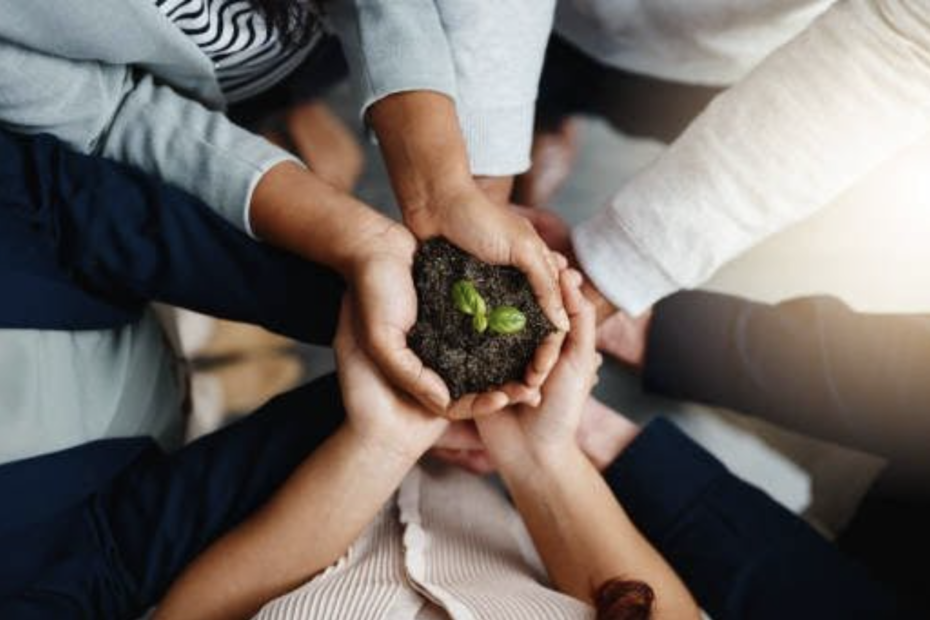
x=486 y=56
x=114 y=111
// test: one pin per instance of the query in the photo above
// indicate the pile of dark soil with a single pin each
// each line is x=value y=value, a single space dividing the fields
x=444 y=337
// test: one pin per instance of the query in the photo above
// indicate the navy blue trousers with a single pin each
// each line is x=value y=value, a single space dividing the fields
x=102 y=530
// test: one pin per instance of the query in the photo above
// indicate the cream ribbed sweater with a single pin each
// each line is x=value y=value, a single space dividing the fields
x=820 y=113
x=446 y=546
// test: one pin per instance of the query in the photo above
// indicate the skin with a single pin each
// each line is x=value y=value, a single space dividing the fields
x=427 y=161
x=297 y=210
x=583 y=535
x=324 y=506
x=294 y=209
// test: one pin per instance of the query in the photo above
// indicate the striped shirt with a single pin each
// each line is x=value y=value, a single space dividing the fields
x=447 y=546
x=248 y=55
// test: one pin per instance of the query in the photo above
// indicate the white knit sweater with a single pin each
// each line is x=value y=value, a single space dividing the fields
x=821 y=112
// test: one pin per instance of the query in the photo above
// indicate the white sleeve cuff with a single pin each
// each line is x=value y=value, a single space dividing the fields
x=620 y=269
x=257 y=176
x=498 y=139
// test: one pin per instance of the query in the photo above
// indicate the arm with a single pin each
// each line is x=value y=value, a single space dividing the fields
x=810 y=364
x=322 y=509
x=584 y=537
x=309 y=523
x=810 y=121
x=742 y=554
x=400 y=53
x=122 y=114
x=486 y=57
x=130 y=239
x=101 y=108
x=439 y=198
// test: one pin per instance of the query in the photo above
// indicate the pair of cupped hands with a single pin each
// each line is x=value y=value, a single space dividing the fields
x=392 y=398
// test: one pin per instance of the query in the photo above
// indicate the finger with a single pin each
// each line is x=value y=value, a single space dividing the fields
x=405 y=370
x=583 y=332
x=545 y=358
x=560 y=261
x=460 y=436
x=519 y=393
x=532 y=259
x=345 y=335
x=473 y=406
x=536 y=400
x=489 y=403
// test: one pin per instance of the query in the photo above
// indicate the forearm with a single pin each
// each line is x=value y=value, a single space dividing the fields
x=423 y=150
x=809 y=122
x=584 y=536
x=810 y=364
x=311 y=522
x=295 y=210
x=741 y=553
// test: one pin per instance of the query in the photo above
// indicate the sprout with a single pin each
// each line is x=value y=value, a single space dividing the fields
x=467 y=299
x=506 y=320
x=502 y=320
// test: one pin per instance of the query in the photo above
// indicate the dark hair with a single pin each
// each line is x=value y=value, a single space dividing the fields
x=622 y=599
x=290 y=18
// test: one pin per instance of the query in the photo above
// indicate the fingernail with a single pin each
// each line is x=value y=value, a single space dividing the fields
x=563 y=322
x=437 y=403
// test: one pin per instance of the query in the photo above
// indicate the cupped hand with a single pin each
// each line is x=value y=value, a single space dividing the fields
x=376 y=410
x=552 y=426
x=550 y=227
x=470 y=220
x=385 y=302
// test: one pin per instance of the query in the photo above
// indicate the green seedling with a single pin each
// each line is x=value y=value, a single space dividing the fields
x=506 y=320
x=502 y=320
x=467 y=299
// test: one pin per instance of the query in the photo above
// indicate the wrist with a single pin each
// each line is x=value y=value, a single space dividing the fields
x=543 y=464
x=392 y=448
x=425 y=213
x=373 y=237
x=602 y=306
x=607 y=441
x=424 y=151
x=295 y=210
x=528 y=459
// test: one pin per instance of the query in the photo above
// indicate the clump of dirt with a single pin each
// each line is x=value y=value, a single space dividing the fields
x=445 y=337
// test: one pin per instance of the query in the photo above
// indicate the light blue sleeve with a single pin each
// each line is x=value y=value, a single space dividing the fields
x=393 y=46
x=122 y=114
x=486 y=56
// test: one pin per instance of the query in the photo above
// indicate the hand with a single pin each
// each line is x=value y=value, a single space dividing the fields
x=558 y=236
x=523 y=433
x=491 y=232
x=554 y=153
x=461 y=446
x=427 y=160
x=377 y=412
x=381 y=284
x=604 y=433
x=550 y=226
x=625 y=338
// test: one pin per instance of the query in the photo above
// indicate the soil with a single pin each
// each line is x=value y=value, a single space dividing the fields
x=443 y=336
